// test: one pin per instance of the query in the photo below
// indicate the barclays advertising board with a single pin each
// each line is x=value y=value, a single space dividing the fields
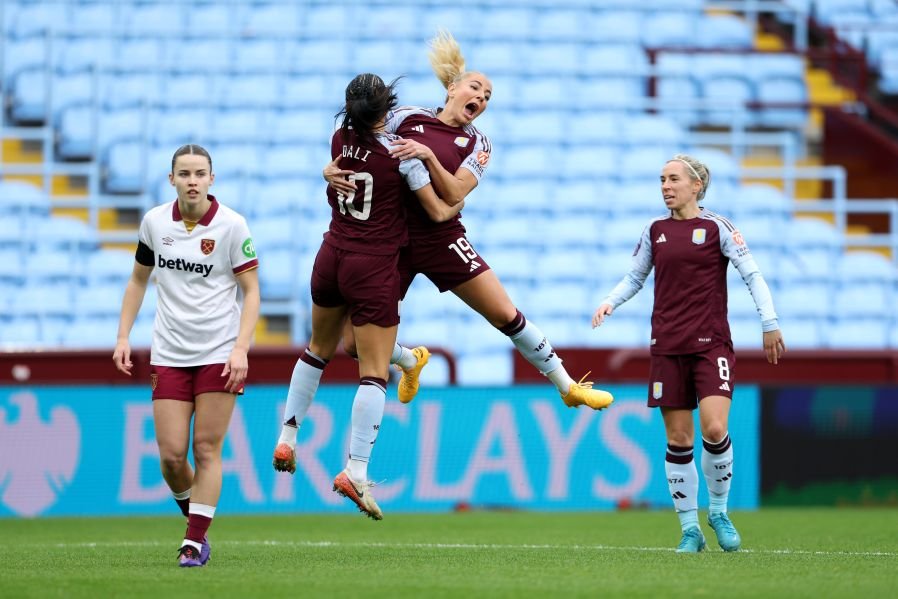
x=90 y=450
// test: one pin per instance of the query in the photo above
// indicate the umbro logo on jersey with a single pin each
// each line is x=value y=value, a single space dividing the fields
x=418 y=128
x=180 y=264
x=725 y=386
x=661 y=239
x=474 y=265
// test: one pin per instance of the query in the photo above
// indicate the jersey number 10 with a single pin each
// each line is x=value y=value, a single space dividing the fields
x=345 y=202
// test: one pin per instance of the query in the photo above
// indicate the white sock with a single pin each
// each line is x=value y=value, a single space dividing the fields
x=682 y=480
x=367 y=413
x=404 y=357
x=303 y=385
x=536 y=349
x=717 y=465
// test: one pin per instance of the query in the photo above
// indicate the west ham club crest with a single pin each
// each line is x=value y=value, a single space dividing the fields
x=207 y=245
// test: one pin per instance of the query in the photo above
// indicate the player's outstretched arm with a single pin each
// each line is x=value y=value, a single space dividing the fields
x=451 y=187
x=774 y=346
x=131 y=301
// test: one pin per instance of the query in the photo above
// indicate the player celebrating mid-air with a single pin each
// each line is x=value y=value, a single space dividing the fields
x=457 y=154
x=355 y=274
x=201 y=251
x=692 y=363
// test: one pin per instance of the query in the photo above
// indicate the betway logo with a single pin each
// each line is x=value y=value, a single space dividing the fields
x=180 y=264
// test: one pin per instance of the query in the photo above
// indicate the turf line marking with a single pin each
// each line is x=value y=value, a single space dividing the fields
x=466 y=546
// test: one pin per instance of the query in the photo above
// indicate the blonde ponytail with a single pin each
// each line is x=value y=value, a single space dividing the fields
x=446 y=59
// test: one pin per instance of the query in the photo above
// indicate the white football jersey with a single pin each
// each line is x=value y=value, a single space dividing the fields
x=197 y=314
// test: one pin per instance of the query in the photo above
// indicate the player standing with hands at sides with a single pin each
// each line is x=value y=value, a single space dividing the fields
x=355 y=274
x=456 y=154
x=692 y=362
x=202 y=252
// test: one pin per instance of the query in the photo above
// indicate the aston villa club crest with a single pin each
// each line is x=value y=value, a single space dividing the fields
x=207 y=245
x=698 y=236
x=657 y=390
x=154 y=380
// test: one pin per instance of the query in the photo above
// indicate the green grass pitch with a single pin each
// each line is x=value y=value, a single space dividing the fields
x=787 y=553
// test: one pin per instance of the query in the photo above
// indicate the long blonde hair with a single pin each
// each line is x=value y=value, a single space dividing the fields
x=446 y=59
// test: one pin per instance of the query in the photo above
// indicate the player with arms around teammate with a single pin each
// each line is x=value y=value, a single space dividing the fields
x=355 y=275
x=456 y=154
x=692 y=359
x=201 y=252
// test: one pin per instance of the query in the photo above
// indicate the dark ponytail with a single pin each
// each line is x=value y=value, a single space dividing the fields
x=368 y=99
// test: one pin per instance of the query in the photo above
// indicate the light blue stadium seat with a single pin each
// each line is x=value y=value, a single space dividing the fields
x=249 y=91
x=617 y=26
x=803 y=333
x=595 y=128
x=544 y=93
x=614 y=60
x=26 y=19
x=669 y=30
x=303 y=126
x=732 y=91
x=51 y=266
x=563 y=24
x=125 y=89
x=273 y=233
x=211 y=17
x=274 y=18
x=106 y=266
x=322 y=57
x=624 y=233
x=259 y=55
x=286 y=197
x=99 y=300
x=485 y=368
x=510 y=265
x=387 y=57
x=825 y=10
x=277 y=276
x=90 y=332
x=510 y=231
x=643 y=164
x=762 y=198
x=182 y=92
x=867 y=300
x=83 y=52
x=24 y=53
x=804 y=301
x=648 y=129
x=123 y=172
x=23 y=200
x=577 y=232
x=641 y=201
x=65 y=232
x=726 y=31
x=234 y=160
x=530 y=196
x=508 y=24
x=177 y=126
x=526 y=161
x=309 y=90
x=43 y=299
x=619 y=331
x=762 y=234
x=152 y=19
x=747 y=334
x=781 y=90
x=590 y=161
x=143 y=53
x=293 y=160
x=496 y=57
x=677 y=93
x=396 y=22
x=201 y=53
x=555 y=58
x=557 y=300
x=239 y=125
x=725 y=171
x=865 y=267
x=609 y=93
x=815 y=245
x=21 y=332
x=857 y=333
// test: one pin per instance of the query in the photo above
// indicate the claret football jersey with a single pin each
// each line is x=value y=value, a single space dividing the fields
x=197 y=315
x=454 y=147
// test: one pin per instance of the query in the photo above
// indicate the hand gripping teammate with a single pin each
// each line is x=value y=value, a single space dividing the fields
x=355 y=275
x=201 y=252
x=692 y=360
x=456 y=154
